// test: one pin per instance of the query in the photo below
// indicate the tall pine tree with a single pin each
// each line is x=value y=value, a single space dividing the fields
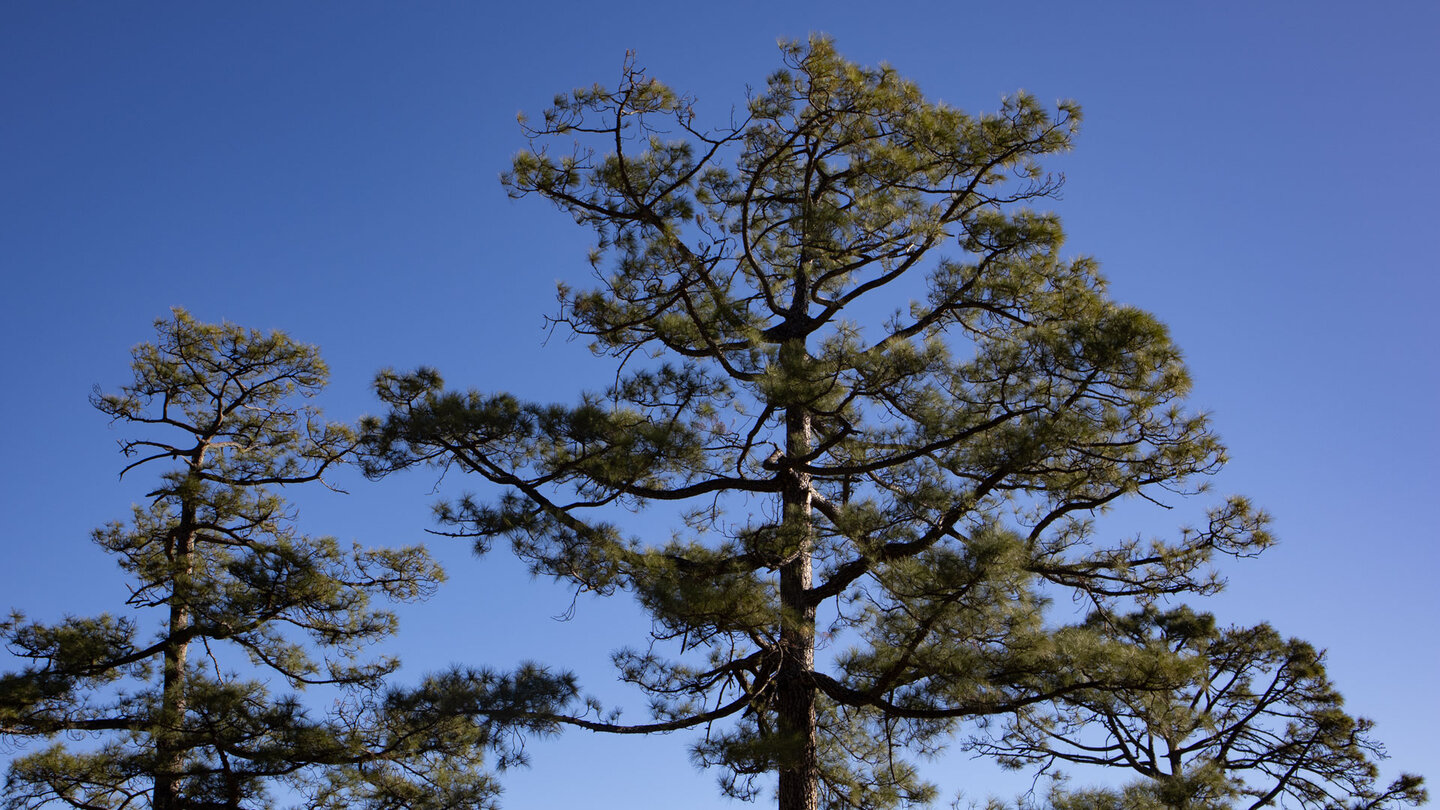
x=885 y=406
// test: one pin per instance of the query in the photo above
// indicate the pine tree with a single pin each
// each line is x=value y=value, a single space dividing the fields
x=1250 y=721
x=175 y=719
x=885 y=407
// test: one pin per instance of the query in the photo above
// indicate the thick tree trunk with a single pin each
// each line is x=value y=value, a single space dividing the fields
x=799 y=787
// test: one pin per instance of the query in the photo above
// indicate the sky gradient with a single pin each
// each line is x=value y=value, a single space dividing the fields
x=1260 y=176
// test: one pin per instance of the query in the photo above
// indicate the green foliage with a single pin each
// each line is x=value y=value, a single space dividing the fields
x=1245 y=718
x=216 y=566
x=887 y=408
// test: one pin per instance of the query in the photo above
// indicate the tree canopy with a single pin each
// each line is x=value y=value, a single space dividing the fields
x=885 y=405
x=1251 y=720
x=882 y=410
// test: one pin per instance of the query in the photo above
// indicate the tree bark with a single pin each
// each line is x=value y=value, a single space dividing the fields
x=169 y=753
x=799 y=784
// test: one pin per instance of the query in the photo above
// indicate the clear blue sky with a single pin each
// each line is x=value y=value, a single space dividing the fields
x=1262 y=176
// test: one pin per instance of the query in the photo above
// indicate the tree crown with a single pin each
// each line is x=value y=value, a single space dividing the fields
x=886 y=406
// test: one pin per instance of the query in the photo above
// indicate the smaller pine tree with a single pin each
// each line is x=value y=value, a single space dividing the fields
x=1249 y=719
x=178 y=720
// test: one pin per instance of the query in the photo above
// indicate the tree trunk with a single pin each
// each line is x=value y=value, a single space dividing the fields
x=799 y=787
x=169 y=751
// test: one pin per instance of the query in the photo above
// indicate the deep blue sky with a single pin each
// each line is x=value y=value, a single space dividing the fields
x=1260 y=176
